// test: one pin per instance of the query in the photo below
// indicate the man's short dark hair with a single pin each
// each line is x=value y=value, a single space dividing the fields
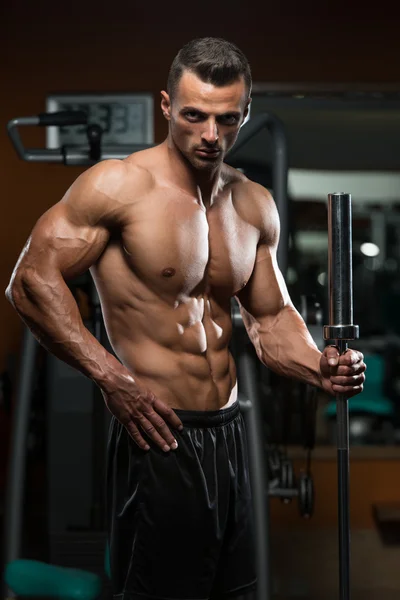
x=213 y=60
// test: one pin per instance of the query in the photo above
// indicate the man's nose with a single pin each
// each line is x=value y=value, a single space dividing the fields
x=210 y=133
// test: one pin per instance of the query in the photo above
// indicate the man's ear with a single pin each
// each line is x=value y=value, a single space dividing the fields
x=166 y=105
x=246 y=114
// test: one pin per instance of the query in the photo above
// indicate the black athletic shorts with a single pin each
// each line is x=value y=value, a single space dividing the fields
x=180 y=524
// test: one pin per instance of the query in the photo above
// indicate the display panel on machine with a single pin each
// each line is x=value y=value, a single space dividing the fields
x=124 y=118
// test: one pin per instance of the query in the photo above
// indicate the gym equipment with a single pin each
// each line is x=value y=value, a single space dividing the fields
x=306 y=495
x=34 y=579
x=341 y=329
x=250 y=406
x=287 y=478
x=67 y=155
x=288 y=488
x=18 y=447
x=123 y=118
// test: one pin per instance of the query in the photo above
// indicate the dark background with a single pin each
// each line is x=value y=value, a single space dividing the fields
x=128 y=47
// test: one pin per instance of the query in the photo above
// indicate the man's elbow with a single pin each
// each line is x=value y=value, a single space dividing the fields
x=9 y=293
x=13 y=291
x=18 y=289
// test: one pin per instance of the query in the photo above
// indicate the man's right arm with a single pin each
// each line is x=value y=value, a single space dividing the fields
x=65 y=242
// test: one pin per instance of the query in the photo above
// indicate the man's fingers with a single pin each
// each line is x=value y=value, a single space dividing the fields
x=168 y=414
x=151 y=426
x=136 y=436
x=332 y=355
x=351 y=357
x=351 y=369
x=348 y=381
x=347 y=390
x=163 y=430
x=346 y=374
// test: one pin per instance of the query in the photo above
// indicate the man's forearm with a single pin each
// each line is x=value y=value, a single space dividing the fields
x=49 y=309
x=285 y=345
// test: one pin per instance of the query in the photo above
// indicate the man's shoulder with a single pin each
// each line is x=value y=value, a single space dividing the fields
x=256 y=205
x=250 y=193
x=105 y=191
x=115 y=178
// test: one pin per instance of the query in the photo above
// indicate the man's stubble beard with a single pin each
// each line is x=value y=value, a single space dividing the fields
x=206 y=165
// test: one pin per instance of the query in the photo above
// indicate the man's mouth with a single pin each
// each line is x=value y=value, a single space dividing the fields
x=208 y=152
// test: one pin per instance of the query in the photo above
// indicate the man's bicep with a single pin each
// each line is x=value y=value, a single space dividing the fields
x=70 y=247
x=265 y=293
x=58 y=242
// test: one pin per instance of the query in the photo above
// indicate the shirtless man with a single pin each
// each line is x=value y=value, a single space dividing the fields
x=170 y=235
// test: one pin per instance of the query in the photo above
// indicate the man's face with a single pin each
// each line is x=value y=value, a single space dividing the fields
x=204 y=119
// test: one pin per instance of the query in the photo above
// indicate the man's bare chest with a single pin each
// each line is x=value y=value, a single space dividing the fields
x=185 y=249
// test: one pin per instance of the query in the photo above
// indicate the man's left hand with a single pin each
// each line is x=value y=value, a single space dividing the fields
x=342 y=374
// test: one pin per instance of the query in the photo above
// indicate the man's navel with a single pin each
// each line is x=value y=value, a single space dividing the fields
x=169 y=272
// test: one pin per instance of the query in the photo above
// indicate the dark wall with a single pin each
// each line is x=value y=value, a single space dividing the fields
x=120 y=46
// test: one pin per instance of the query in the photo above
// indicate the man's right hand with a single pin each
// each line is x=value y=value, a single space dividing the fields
x=139 y=411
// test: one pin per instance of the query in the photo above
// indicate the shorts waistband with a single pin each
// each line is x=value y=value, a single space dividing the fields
x=208 y=418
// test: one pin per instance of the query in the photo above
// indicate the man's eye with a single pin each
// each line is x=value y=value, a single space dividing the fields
x=229 y=119
x=192 y=115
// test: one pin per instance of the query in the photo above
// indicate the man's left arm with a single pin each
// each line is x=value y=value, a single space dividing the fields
x=276 y=329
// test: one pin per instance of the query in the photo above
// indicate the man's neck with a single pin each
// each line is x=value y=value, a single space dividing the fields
x=202 y=185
